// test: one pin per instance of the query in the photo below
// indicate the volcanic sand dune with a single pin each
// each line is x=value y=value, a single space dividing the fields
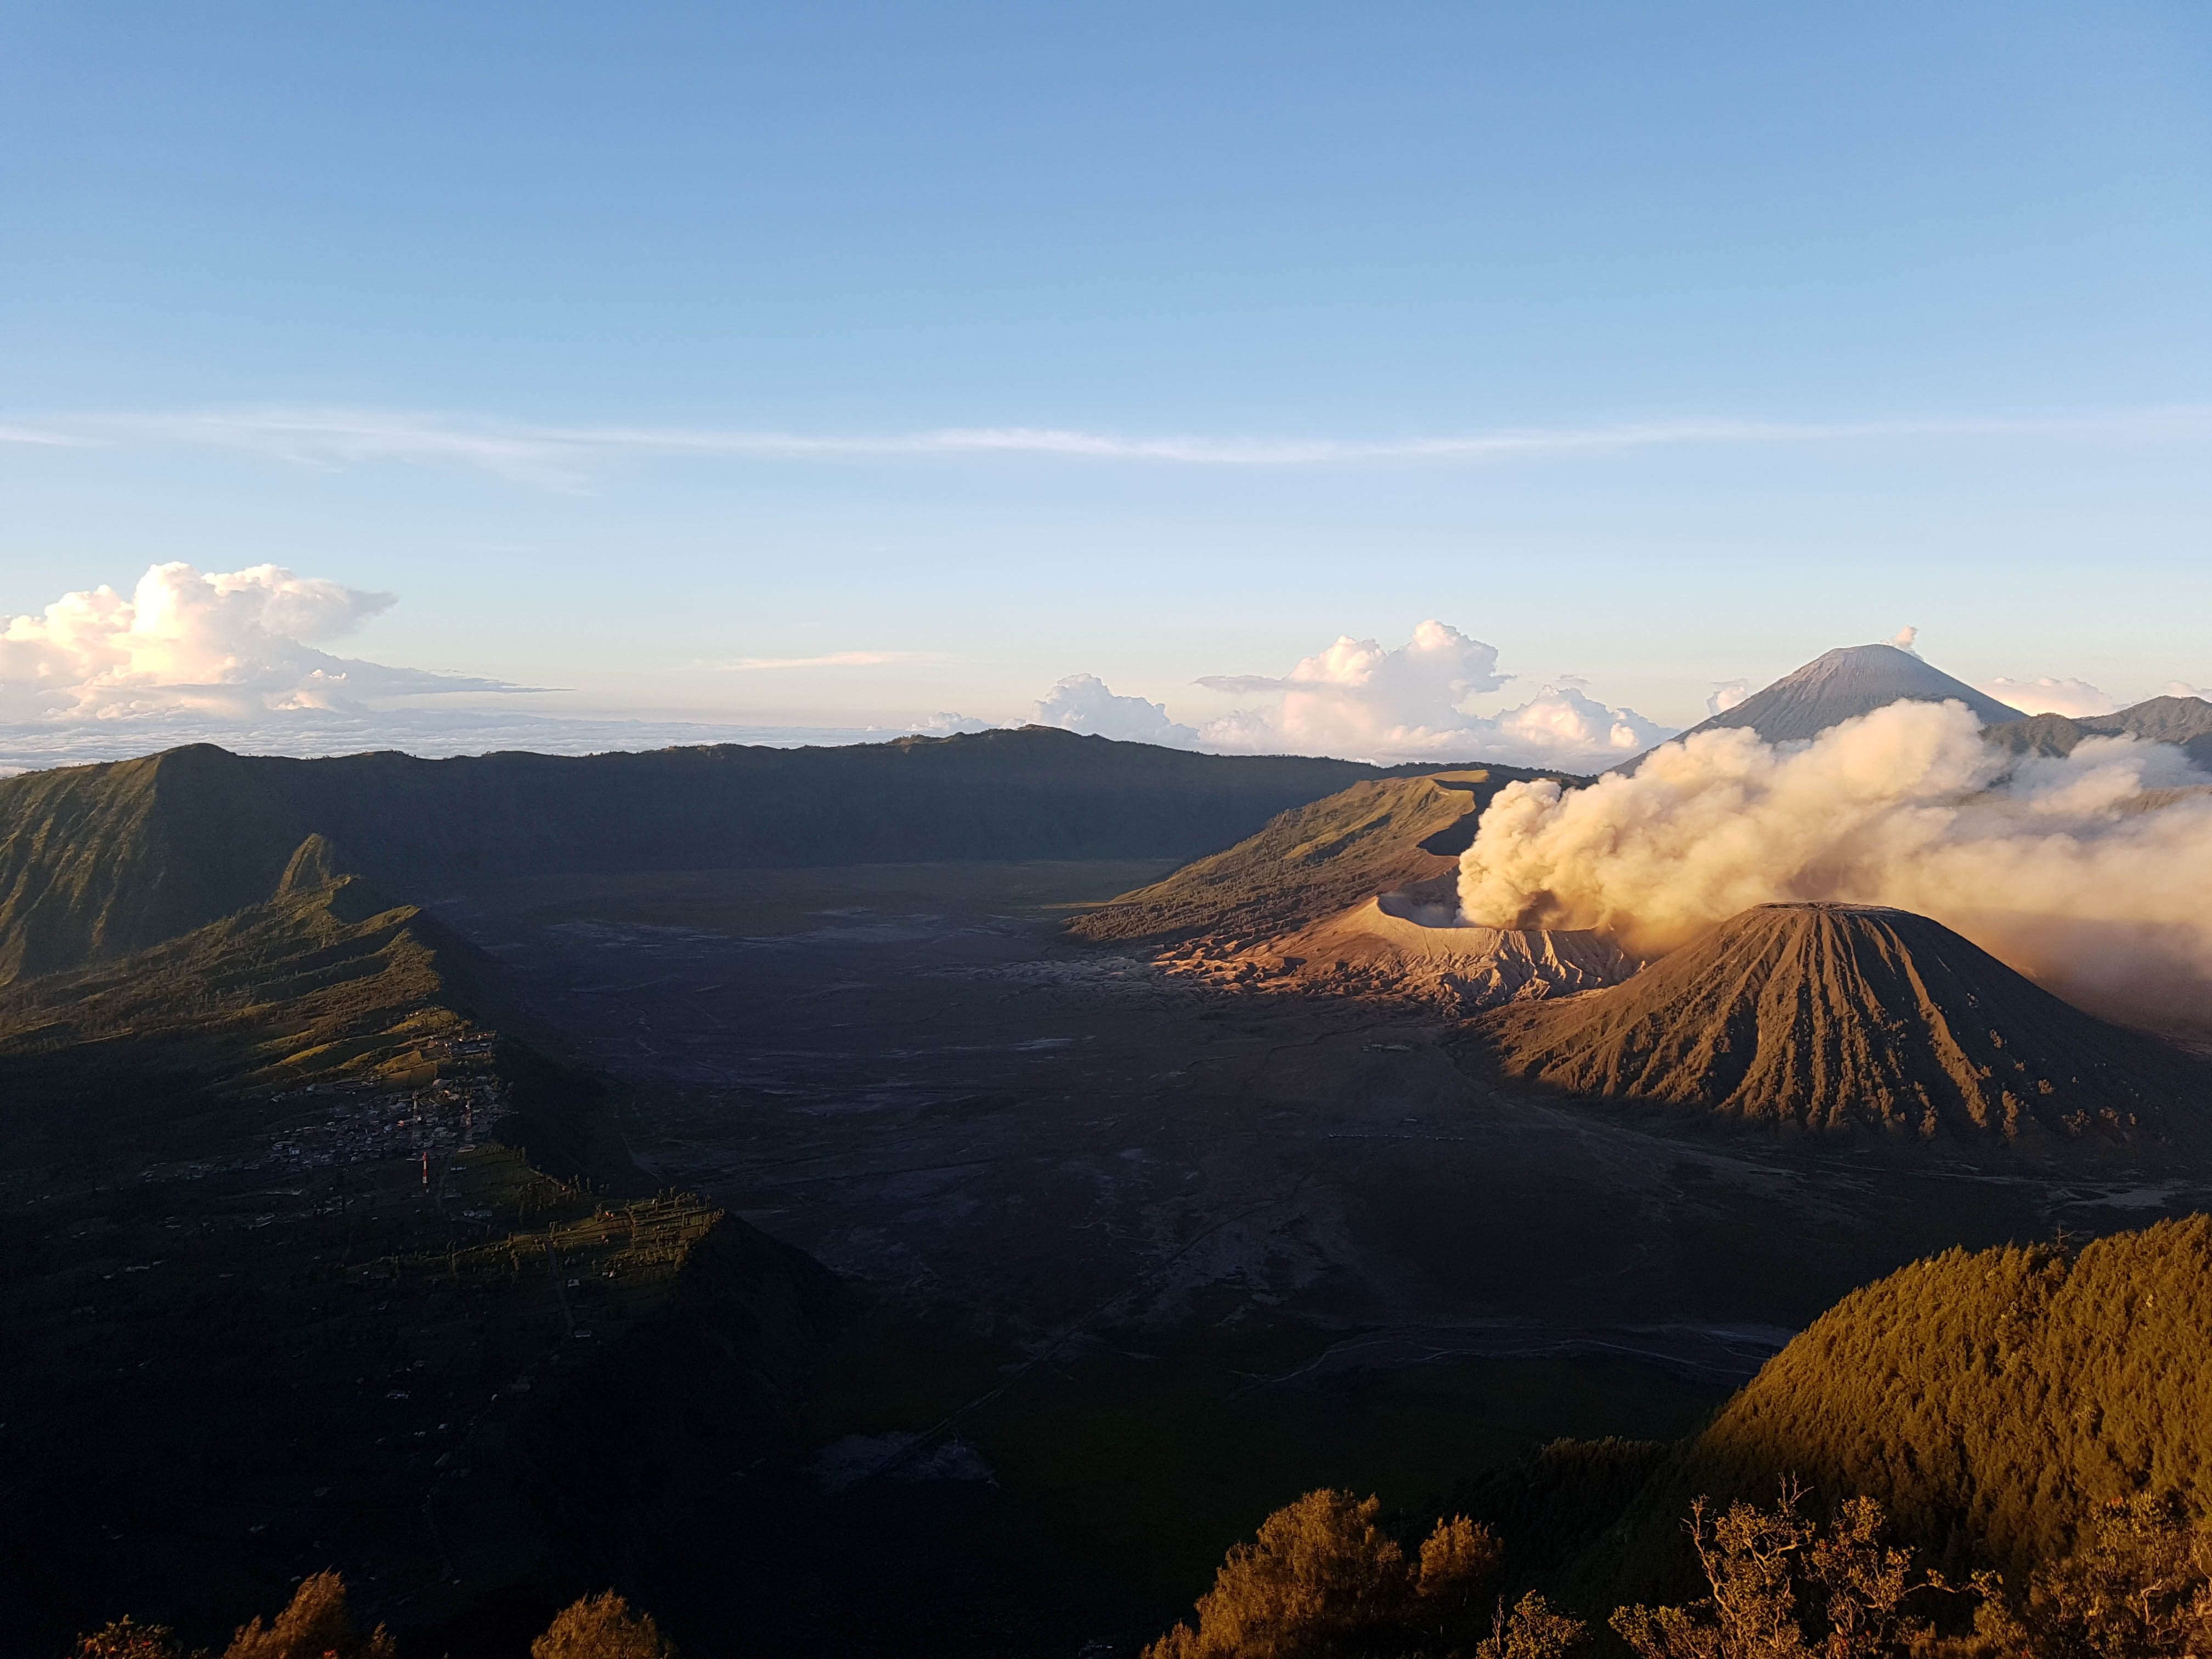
x=1830 y=1016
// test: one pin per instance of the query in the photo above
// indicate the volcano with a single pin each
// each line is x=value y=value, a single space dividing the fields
x=1840 y=1016
x=1394 y=945
x=1849 y=681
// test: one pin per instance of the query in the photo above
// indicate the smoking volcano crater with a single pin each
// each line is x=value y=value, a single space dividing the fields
x=1830 y=1016
x=1413 y=941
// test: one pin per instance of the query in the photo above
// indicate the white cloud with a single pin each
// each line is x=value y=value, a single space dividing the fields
x=227 y=658
x=1084 y=702
x=230 y=643
x=1726 y=696
x=2184 y=688
x=1903 y=639
x=1360 y=700
x=2047 y=696
x=832 y=659
x=946 y=724
x=564 y=456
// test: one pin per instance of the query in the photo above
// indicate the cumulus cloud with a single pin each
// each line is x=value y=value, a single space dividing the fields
x=2184 y=688
x=1726 y=696
x=2092 y=872
x=1084 y=702
x=1903 y=639
x=235 y=642
x=2072 y=698
x=1359 y=700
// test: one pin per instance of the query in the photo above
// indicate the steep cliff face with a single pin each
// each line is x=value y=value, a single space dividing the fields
x=1835 y=1016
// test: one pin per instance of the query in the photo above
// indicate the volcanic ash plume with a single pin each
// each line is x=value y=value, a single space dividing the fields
x=2091 y=873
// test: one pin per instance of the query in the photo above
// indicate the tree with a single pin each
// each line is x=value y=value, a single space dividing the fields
x=602 y=1627
x=315 y=1625
x=1783 y=1587
x=1534 y=1629
x=126 y=1638
x=2139 y=1588
x=1322 y=1579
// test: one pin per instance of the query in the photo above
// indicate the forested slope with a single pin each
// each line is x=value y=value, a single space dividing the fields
x=1991 y=1401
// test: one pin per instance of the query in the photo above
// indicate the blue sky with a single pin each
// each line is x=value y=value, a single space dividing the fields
x=1822 y=320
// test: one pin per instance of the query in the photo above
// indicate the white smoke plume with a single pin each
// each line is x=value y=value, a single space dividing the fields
x=229 y=644
x=2047 y=696
x=1084 y=702
x=1362 y=701
x=1903 y=639
x=1726 y=696
x=2091 y=873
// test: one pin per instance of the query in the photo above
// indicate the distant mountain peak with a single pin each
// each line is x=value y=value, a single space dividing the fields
x=1841 y=684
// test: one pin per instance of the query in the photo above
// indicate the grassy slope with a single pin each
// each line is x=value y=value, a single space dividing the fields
x=1311 y=861
x=97 y=862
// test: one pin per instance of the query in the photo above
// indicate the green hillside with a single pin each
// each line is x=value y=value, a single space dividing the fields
x=98 y=861
x=304 y=1262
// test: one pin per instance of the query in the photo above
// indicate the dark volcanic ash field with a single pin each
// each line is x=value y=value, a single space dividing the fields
x=909 y=1072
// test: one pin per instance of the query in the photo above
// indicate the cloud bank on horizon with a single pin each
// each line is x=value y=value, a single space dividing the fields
x=237 y=657
x=231 y=658
x=227 y=657
x=1359 y=699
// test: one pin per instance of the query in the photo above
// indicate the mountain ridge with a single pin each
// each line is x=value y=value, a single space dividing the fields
x=98 y=861
x=2184 y=722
